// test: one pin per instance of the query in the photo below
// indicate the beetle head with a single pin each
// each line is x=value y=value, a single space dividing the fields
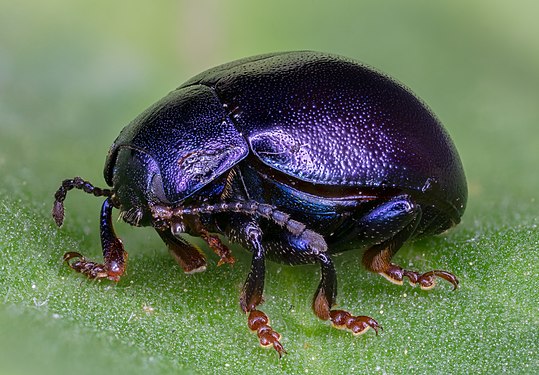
x=137 y=185
x=177 y=148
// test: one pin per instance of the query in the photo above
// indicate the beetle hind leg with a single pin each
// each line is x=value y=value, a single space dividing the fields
x=324 y=299
x=378 y=259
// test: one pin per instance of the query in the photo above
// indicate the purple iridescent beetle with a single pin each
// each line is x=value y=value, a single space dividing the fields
x=296 y=156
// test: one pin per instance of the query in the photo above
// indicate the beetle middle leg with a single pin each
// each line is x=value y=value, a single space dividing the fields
x=251 y=295
x=399 y=218
x=378 y=259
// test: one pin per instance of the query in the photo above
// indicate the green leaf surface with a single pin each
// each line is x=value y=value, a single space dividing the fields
x=73 y=74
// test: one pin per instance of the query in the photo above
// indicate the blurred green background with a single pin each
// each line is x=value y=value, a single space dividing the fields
x=72 y=74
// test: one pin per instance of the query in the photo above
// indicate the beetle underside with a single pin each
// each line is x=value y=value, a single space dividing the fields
x=296 y=243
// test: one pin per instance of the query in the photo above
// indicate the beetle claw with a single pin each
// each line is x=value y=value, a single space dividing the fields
x=92 y=270
x=428 y=280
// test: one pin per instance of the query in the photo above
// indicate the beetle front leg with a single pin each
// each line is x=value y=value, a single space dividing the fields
x=114 y=255
x=251 y=295
x=324 y=299
x=189 y=257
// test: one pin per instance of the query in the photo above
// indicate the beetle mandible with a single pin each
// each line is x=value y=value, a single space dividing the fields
x=296 y=156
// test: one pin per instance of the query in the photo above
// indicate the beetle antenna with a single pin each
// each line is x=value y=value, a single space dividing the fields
x=77 y=183
x=316 y=242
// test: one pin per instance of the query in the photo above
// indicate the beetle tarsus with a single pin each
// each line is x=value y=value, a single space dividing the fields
x=258 y=322
x=426 y=281
x=378 y=258
x=428 y=277
x=92 y=270
x=358 y=325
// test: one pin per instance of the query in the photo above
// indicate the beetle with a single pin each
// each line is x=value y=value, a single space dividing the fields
x=296 y=156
